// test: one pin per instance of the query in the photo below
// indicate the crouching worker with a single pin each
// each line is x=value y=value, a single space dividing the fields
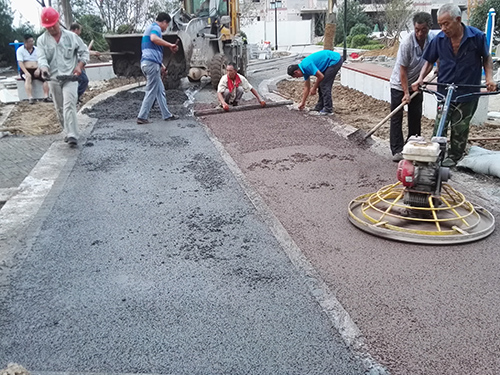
x=231 y=88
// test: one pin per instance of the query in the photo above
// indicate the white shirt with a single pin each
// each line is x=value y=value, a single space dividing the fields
x=245 y=85
x=23 y=54
x=409 y=56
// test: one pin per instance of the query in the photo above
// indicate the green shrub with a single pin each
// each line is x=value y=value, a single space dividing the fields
x=359 y=40
x=372 y=46
x=360 y=29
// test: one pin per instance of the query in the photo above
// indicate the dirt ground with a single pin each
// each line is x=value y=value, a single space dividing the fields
x=40 y=118
x=356 y=109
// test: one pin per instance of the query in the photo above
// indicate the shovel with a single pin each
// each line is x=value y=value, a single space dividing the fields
x=359 y=133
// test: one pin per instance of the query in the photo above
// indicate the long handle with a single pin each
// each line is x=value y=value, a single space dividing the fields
x=398 y=108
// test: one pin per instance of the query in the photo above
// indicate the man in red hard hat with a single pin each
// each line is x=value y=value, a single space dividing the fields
x=62 y=54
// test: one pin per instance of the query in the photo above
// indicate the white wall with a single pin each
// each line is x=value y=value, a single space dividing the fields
x=380 y=89
x=289 y=32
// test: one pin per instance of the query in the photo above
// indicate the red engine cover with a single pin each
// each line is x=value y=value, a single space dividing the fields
x=406 y=173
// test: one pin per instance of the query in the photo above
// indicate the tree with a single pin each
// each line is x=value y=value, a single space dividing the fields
x=6 y=33
x=92 y=30
x=480 y=14
x=133 y=13
x=355 y=15
x=396 y=16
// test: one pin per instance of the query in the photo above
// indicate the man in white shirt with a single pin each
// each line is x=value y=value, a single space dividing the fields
x=27 y=58
x=231 y=88
x=406 y=70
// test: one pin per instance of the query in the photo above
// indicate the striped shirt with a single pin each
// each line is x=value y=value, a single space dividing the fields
x=150 y=51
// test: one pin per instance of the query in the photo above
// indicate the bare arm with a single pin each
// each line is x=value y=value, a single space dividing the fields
x=222 y=101
x=305 y=93
x=403 y=76
x=256 y=94
x=488 y=73
x=426 y=69
x=160 y=42
x=319 y=78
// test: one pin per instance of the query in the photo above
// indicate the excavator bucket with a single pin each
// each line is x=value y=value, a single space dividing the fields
x=125 y=51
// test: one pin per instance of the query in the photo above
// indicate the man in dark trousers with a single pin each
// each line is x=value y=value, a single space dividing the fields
x=462 y=53
x=406 y=70
x=325 y=66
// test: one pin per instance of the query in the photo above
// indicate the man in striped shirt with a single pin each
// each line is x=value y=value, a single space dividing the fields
x=153 y=68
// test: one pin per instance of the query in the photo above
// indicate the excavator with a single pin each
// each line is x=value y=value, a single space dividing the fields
x=207 y=34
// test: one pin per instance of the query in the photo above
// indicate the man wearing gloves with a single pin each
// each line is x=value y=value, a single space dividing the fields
x=62 y=55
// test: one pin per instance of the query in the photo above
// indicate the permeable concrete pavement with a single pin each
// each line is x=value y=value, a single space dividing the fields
x=421 y=309
x=149 y=258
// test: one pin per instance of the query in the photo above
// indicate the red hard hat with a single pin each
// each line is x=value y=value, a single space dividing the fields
x=50 y=16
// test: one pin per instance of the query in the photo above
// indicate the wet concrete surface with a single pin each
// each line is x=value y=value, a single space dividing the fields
x=152 y=260
x=125 y=105
x=422 y=309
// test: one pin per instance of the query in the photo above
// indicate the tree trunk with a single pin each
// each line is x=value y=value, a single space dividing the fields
x=67 y=14
x=330 y=29
x=330 y=26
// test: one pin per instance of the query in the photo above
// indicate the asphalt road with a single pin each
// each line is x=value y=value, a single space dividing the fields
x=150 y=258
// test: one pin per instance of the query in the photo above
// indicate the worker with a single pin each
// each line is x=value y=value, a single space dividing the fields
x=27 y=59
x=153 y=68
x=83 y=81
x=62 y=53
x=406 y=70
x=325 y=66
x=462 y=53
x=232 y=86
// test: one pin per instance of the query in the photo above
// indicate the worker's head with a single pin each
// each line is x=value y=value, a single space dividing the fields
x=231 y=71
x=422 y=23
x=163 y=19
x=28 y=41
x=294 y=71
x=50 y=20
x=76 y=28
x=450 y=20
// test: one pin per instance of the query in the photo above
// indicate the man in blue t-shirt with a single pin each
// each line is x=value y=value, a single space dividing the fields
x=153 y=68
x=462 y=53
x=325 y=66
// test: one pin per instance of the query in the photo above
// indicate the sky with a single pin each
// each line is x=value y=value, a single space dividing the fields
x=26 y=10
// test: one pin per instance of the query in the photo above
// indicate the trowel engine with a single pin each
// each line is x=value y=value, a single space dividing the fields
x=421 y=173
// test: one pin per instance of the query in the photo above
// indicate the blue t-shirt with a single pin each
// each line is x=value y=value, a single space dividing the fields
x=465 y=67
x=150 y=51
x=320 y=60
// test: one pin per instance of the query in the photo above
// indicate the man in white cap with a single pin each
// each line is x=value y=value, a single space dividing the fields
x=62 y=55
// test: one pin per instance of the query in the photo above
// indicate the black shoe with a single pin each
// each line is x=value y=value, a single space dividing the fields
x=397 y=157
x=142 y=121
x=235 y=103
x=72 y=141
x=47 y=100
x=172 y=118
